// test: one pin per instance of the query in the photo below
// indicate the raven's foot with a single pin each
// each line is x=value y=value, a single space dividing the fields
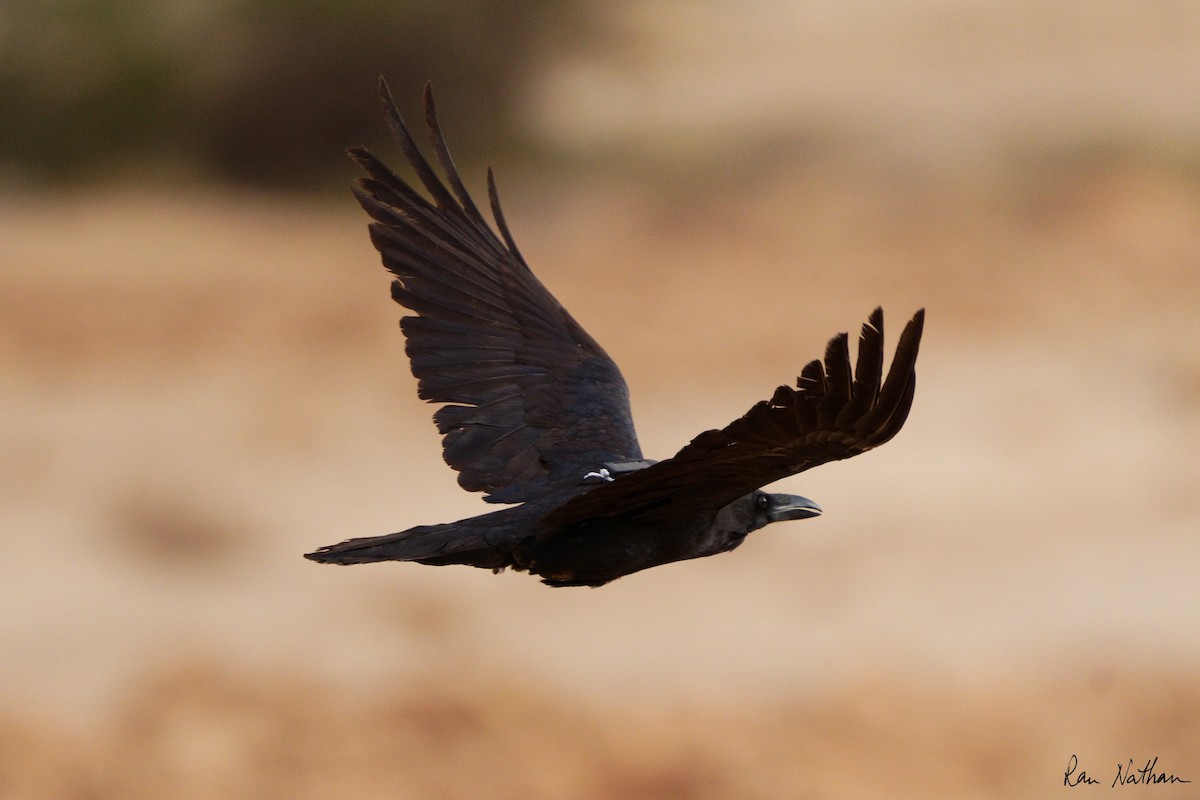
x=602 y=476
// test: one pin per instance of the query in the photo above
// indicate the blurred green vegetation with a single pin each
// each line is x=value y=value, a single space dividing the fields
x=261 y=92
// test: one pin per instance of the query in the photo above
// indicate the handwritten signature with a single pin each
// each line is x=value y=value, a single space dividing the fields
x=1127 y=774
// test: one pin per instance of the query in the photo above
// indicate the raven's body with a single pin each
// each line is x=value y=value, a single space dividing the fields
x=590 y=552
x=537 y=414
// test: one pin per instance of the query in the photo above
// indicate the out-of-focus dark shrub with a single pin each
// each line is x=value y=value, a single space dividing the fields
x=253 y=91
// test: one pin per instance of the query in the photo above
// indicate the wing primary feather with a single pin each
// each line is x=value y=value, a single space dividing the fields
x=498 y=213
x=868 y=371
x=838 y=378
x=812 y=378
x=442 y=152
x=898 y=417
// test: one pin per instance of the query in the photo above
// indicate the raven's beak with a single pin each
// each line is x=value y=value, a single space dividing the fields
x=792 y=506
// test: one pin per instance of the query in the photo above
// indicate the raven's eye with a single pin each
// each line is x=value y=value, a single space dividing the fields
x=762 y=501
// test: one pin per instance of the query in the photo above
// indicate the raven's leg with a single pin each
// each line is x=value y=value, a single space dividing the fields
x=603 y=475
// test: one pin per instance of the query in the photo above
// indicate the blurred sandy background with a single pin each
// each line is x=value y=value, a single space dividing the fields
x=203 y=378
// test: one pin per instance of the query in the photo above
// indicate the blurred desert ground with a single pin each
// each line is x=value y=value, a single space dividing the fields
x=203 y=380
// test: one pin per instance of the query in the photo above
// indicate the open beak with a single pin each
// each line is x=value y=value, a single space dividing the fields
x=792 y=506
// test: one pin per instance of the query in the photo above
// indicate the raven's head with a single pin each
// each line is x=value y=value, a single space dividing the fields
x=753 y=511
x=767 y=508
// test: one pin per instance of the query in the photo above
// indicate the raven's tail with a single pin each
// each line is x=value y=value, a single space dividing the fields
x=413 y=544
x=484 y=541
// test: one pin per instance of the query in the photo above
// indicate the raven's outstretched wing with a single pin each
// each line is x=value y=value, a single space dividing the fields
x=831 y=414
x=532 y=399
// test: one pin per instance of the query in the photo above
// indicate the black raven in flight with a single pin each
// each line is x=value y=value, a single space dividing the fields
x=536 y=414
